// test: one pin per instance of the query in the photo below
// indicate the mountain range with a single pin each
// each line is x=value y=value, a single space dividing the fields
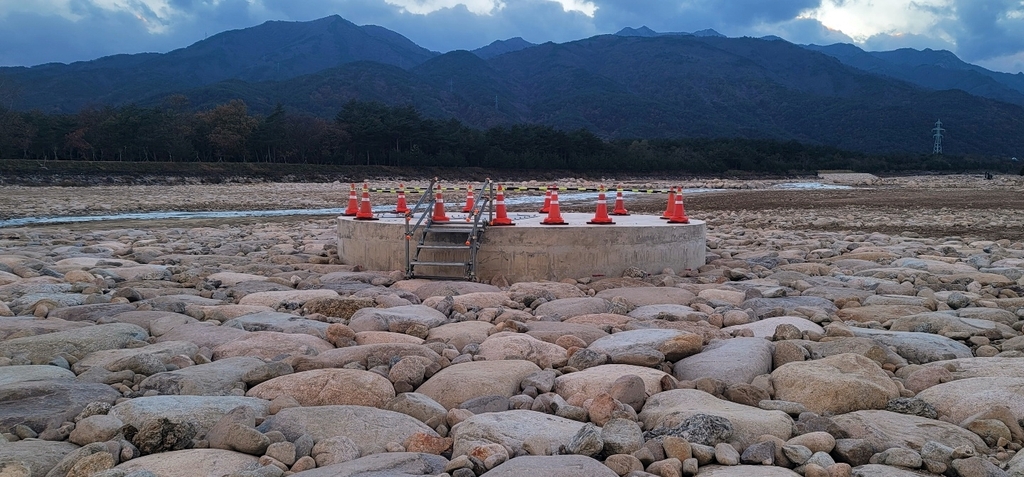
x=637 y=83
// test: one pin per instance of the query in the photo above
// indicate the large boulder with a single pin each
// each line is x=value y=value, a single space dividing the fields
x=963 y=398
x=272 y=345
x=458 y=383
x=994 y=367
x=643 y=296
x=648 y=347
x=569 y=307
x=885 y=429
x=521 y=346
x=192 y=462
x=917 y=348
x=322 y=387
x=202 y=334
x=32 y=372
x=552 y=466
x=218 y=378
x=551 y=331
x=200 y=413
x=460 y=334
x=405 y=464
x=114 y=358
x=364 y=355
x=766 y=328
x=289 y=299
x=41 y=349
x=733 y=361
x=670 y=408
x=280 y=322
x=943 y=323
x=397 y=319
x=369 y=428
x=587 y=384
x=836 y=384
x=48 y=403
x=37 y=457
x=787 y=306
x=522 y=431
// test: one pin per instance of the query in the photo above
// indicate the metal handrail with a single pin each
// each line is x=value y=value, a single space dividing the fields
x=486 y=192
x=410 y=232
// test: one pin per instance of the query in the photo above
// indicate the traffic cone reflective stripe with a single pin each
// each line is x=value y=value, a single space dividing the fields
x=554 y=216
x=469 y=199
x=439 y=215
x=601 y=217
x=353 y=202
x=679 y=216
x=401 y=207
x=670 y=208
x=502 y=214
x=620 y=206
x=547 y=202
x=365 y=211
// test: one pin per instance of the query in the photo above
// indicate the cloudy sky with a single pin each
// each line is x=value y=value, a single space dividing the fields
x=985 y=32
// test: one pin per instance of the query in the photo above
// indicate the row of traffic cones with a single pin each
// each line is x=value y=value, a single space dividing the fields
x=675 y=212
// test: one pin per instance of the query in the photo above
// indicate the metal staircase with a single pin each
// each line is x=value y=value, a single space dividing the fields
x=446 y=245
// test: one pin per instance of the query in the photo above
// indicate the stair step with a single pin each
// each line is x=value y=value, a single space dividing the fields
x=440 y=264
x=443 y=247
x=449 y=230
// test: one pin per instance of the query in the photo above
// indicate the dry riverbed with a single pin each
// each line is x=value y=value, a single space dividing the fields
x=869 y=331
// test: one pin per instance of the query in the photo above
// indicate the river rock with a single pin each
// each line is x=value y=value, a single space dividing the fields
x=569 y=307
x=994 y=367
x=917 y=348
x=32 y=458
x=639 y=347
x=118 y=359
x=203 y=334
x=460 y=334
x=942 y=323
x=41 y=349
x=552 y=466
x=766 y=328
x=551 y=331
x=669 y=408
x=370 y=428
x=192 y=462
x=641 y=296
x=962 y=398
x=520 y=346
x=836 y=384
x=588 y=384
x=522 y=431
x=733 y=361
x=323 y=387
x=287 y=299
x=409 y=464
x=279 y=322
x=19 y=374
x=397 y=319
x=885 y=429
x=91 y=313
x=365 y=354
x=48 y=403
x=218 y=378
x=459 y=383
x=272 y=345
x=787 y=306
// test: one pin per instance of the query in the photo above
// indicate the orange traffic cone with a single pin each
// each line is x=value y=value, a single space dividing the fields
x=439 y=215
x=365 y=211
x=547 y=202
x=620 y=206
x=679 y=216
x=670 y=209
x=554 y=216
x=401 y=207
x=502 y=218
x=601 y=217
x=469 y=199
x=353 y=202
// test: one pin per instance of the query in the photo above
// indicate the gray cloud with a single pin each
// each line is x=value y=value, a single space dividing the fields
x=981 y=30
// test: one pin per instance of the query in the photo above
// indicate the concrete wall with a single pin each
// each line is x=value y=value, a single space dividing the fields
x=530 y=251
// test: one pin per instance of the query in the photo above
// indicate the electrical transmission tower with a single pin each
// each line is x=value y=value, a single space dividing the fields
x=938 y=137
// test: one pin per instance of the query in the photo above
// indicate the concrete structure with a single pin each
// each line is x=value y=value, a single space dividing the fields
x=530 y=251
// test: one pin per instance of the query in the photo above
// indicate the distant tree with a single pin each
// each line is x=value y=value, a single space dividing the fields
x=229 y=130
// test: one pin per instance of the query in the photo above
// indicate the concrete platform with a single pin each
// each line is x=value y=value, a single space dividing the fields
x=530 y=251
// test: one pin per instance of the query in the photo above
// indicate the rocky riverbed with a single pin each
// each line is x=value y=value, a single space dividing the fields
x=864 y=331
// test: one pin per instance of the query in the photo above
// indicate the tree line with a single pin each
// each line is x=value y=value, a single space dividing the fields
x=371 y=133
